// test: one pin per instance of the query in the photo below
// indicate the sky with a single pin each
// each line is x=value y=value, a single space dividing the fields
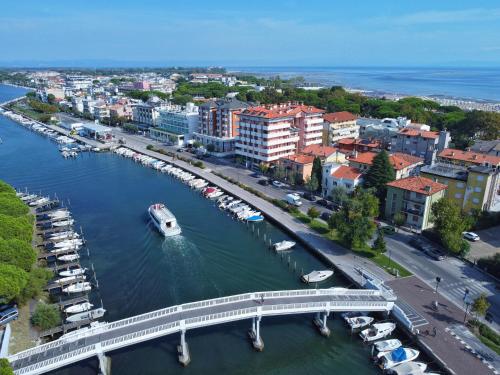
x=250 y=33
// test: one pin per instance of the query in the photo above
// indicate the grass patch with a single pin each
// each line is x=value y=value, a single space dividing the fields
x=486 y=335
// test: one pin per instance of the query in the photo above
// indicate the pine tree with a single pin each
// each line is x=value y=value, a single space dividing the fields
x=380 y=173
x=379 y=245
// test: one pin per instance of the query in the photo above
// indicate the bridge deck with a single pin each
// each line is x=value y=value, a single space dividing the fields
x=115 y=335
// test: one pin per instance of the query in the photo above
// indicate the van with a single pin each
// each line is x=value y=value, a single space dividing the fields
x=8 y=314
x=293 y=199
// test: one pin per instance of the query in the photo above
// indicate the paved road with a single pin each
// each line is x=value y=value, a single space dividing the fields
x=456 y=275
x=488 y=245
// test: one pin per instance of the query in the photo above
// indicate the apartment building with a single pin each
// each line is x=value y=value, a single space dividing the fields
x=339 y=125
x=176 y=125
x=145 y=113
x=468 y=158
x=422 y=143
x=404 y=165
x=340 y=175
x=268 y=133
x=218 y=124
x=413 y=197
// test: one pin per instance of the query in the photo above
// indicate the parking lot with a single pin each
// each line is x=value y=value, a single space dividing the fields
x=487 y=246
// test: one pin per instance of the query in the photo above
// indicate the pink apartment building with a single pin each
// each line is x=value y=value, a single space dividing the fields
x=268 y=133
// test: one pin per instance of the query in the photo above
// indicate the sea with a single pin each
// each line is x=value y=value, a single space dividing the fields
x=481 y=84
x=139 y=271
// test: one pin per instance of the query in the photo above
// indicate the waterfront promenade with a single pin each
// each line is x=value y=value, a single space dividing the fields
x=178 y=319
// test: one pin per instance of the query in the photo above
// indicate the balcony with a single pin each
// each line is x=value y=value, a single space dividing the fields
x=413 y=211
x=313 y=135
x=417 y=199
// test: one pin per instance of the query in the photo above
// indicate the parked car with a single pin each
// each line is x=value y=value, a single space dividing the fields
x=325 y=216
x=293 y=199
x=322 y=202
x=417 y=243
x=309 y=197
x=278 y=184
x=471 y=236
x=263 y=182
x=388 y=229
x=255 y=174
x=180 y=150
x=432 y=252
x=8 y=314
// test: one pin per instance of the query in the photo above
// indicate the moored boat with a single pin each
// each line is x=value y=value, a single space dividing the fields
x=359 y=321
x=81 y=307
x=283 y=245
x=91 y=315
x=79 y=287
x=72 y=272
x=386 y=345
x=377 y=331
x=317 y=276
x=68 y=257
x=397 y=357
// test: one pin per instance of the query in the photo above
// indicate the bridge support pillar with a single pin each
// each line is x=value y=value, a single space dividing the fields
x=254 y=334
x=183 y=350
x=104 y=364
x=320 y=322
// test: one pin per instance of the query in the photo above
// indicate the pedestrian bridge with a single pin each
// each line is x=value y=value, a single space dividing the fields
x=96 y=341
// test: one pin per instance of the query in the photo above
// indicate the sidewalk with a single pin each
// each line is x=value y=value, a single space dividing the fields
x=444 y=345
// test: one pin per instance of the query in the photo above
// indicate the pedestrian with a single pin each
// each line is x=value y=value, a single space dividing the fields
x=262 y=299
x=434 y=331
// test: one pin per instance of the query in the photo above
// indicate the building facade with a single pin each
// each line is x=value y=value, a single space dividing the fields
x=404 y=165
x=268 y=133
x=339 y=125
x=421 y=143
x=413 y=197
x=145 y=113
x=218 y=124
x=176 y=125
x=340 y=175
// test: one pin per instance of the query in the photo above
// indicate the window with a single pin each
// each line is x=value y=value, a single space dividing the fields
x=460 y=184
x=477 y=189
x=458 y=195
x=475 y=200
x=394 y=195
x=480 y=178
x=414 y=218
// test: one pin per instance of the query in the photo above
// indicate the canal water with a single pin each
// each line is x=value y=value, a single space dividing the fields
x=139 y=271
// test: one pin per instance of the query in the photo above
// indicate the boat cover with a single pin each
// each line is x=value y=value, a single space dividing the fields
x=398 y=355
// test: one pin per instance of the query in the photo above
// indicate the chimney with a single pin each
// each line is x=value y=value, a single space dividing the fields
x=453 y=153
x=428 y=188
x=474 y=157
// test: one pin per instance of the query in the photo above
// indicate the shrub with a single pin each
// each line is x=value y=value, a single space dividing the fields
x=150 y=147
x=5 y=368
x=199 y=164
x=12 y=281
x=37 y=279
x=17 y=253
x=46 y=316
x=491 y=264
x=313 y=213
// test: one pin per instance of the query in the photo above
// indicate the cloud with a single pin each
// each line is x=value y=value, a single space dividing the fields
x=452 y=16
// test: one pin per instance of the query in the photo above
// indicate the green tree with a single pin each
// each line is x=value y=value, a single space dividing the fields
x=312 y=183
x=480 y=305
x=12 y=206
x=46 y=316
x=264 y=168
x=210 y=147
x=131 y=128
x=379 y=174
x=5 y=367
x=313 y=213
x=17 y=253
x=37 y=279
x=16 y=228
x=317 y=170
x=399 y=219
x=197 y=144
x=51 y=99
x=279 y=172
x=339 y=195
x=449 y=223
x=12 y=281
x=379 y=245
x=292 y=178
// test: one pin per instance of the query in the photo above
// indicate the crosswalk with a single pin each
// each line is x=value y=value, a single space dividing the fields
x=457 y=289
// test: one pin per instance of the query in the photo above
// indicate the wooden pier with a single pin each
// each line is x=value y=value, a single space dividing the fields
x=72 y=301
x=65 y=266
x=64 y=328
x=48 y=254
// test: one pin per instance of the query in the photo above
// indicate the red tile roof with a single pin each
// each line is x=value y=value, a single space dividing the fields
x=419 y=133
x=469 y=156
x=398 y=160
x=300 y=158
x=280 y=110
x=339 y=117
x=346 y=172
x=418 y=184
x=319 y=150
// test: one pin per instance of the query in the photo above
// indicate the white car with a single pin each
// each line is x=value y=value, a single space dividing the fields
x=279 y=184
x=471 y=236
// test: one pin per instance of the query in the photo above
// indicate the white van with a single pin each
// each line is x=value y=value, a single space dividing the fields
x=293 y=199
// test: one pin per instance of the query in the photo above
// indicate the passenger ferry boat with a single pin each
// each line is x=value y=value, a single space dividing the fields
x=164 y=220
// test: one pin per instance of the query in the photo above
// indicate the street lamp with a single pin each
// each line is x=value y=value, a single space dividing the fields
x=438 y=280
x=467 y=302
x=436 y=302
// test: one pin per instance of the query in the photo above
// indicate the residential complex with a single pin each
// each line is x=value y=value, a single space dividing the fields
x=339 y=125
x=404 y=165
x=340 y=175
x=468 y=158
x=176 y=125
x=413 y=196
x=218 y=124
x=421 y=143
x=268 y=133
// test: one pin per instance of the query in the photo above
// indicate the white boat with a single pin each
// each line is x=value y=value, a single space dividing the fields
x=64 y=223
x=409 y=368
x=61 y=236
x=73 y=272
x=39 y=202
x=59 y=250
x=79 y=287
x=352 y=314
x=359 y=321
x=69 y=243
x=91 y=315
x=377 y=331
x=68 y=279
x=68 y=257
x=60 y=214
x=317 y=276
x=387 y=345
x=81 y=307
x=164 y=220
x=29 y=197
x=215 y=194
x=397 y=357
x=283 y=245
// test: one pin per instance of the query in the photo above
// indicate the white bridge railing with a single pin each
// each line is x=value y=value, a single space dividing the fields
x=342 y=300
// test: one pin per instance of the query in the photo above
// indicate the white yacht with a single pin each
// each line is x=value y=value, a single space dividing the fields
x=283 y=245
x=386 y=346
x=68 y=257
x=91 y=315
x=410 y=368
x=359 y=321
x=397 y=357
x=81 y=307
x=164 y=220
x=78 y=287
x=72 y=272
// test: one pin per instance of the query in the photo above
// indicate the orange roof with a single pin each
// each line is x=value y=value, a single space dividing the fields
x=300 y=158
x=346 y=172
x=398 y=160
x=419 y=133
x=418 y=184
x=469 y=156
x=280 y=110
x=319 y=150
x=339 y=117
x=358 y=141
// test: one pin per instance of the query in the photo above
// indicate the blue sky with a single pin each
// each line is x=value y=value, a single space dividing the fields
x=251 y=33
